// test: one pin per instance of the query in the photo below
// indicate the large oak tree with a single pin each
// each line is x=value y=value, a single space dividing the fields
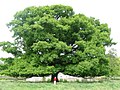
x=52 y=39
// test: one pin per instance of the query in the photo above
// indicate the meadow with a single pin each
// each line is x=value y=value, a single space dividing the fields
x=22 y=85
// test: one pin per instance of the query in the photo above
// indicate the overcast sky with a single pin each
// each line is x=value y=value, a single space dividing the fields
x=108 y=11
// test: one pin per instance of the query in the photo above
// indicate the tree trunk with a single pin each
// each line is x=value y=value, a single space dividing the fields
x=54 y=75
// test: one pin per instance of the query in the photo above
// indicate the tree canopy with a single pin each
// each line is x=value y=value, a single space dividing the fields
x=114 y=62
x=52 y=39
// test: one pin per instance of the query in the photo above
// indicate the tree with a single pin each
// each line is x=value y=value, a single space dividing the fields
x=52 y=39
x=114 y=62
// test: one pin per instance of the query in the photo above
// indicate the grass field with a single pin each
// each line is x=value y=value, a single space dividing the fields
x=19 y=85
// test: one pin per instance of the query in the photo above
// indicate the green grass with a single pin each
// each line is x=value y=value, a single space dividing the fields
x=20 y=85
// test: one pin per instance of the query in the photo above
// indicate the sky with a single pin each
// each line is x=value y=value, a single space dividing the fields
x=107 y=11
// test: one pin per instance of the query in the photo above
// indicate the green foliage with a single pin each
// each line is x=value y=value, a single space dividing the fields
x=52 y=39
x=10 y=48
x=114 y=62
x=88 y=68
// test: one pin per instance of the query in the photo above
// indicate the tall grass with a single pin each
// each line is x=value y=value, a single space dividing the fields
x=20 y=85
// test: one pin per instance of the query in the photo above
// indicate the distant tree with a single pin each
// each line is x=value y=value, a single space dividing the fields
x=114 y=62
x=53 y=39
x=112 y=53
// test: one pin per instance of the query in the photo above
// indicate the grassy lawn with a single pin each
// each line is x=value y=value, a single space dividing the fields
x=19 y=85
